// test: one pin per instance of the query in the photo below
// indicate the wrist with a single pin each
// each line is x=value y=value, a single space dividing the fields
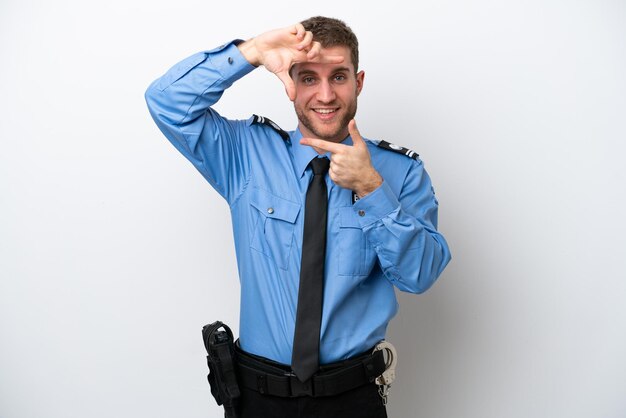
x=249 y=51
x=370 y=184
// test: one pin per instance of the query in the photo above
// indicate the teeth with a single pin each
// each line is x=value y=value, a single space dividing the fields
x=324 y=111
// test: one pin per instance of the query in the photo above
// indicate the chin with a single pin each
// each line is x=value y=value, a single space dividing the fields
x=327 y=134
x=333 y=131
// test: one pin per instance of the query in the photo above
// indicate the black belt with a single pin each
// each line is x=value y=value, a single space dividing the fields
x=271 y=378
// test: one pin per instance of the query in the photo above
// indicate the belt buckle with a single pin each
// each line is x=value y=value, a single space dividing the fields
x=299 y=388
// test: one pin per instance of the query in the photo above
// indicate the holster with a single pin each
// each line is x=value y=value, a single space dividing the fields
x=221 y=361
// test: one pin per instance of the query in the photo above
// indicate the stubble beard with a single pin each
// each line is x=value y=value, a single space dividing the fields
x=337 y=134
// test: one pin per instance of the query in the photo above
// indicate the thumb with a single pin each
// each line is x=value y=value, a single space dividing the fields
x=357 y=139
x=290 y=87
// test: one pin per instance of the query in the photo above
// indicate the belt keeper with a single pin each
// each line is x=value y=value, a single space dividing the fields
x=369 y=369
x=261 y=383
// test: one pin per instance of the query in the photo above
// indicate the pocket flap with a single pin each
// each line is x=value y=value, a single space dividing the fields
x=273 y=206
x=348 y=218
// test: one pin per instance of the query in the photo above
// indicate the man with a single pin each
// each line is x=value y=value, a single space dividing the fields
x=376 y=206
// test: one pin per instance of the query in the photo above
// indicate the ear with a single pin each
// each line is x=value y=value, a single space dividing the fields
x=360 y=77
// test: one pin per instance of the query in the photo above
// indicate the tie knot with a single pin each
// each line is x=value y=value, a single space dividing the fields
x=320 y=165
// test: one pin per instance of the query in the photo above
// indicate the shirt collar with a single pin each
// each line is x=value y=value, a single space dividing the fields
x=303 y=154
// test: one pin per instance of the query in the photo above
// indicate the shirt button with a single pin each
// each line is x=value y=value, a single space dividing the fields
x=230 y=60
x=270 y=210
x=361 y=213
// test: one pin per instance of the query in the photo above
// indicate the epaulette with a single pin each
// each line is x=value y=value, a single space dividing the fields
x=397 y=148
x=266 y=121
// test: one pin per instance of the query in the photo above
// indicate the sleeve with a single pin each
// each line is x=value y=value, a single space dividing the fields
x=403 y=231
x=180 y=103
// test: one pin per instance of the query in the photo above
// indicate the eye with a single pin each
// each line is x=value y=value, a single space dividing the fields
x=340 y=78
x=308 y=80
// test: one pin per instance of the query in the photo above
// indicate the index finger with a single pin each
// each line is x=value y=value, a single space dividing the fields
x=327 y=146
x=298 y=30
x=316 y=55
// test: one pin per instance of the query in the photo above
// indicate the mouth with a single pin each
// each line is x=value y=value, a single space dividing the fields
x=325 y=113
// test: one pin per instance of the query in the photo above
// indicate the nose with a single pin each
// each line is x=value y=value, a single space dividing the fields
x=326 y=93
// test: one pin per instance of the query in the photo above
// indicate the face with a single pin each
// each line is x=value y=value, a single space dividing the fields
x=326 y=96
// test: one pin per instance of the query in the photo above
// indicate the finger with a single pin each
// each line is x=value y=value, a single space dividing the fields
x=298 y=30
x=338 y=162
x=290 y=87
x=316 y=54
x=323 y=145
x=357 y=139
x=332 y=173
x=306 y=41
x=315 y=51
x=329 y=59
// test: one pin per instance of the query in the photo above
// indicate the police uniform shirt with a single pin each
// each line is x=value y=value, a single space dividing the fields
x=386 y=239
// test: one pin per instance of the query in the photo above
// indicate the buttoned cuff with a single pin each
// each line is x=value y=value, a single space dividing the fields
x=229 y=61
x=376 y=205
x=226 y=60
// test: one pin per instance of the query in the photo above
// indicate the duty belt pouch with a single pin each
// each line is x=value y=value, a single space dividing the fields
x=221 y=360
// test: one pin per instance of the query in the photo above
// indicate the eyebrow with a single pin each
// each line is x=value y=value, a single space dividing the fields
x=311 y=72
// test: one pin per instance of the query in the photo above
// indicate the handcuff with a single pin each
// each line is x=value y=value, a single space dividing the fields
x=385 y=380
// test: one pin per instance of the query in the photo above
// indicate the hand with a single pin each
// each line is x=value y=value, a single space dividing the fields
x=279 y=49
x=350 y=165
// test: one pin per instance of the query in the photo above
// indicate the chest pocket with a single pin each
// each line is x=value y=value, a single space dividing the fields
x=274 y=226
x=356 y=255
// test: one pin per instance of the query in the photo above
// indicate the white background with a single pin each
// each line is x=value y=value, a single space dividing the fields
x=114 y=251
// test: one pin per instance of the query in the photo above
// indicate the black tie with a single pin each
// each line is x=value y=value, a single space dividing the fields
x=306 y=342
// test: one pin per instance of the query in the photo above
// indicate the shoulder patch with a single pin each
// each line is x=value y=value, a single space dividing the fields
x=261 y=120
x=397 y=148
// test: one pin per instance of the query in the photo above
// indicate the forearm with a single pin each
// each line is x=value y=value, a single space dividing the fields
x=410 y=250
x=189 y=88
x=180 y=103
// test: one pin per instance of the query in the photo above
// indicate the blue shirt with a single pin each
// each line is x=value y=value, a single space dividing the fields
x=388 y=238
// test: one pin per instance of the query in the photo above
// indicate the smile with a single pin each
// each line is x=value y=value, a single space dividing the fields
x=324 y=111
